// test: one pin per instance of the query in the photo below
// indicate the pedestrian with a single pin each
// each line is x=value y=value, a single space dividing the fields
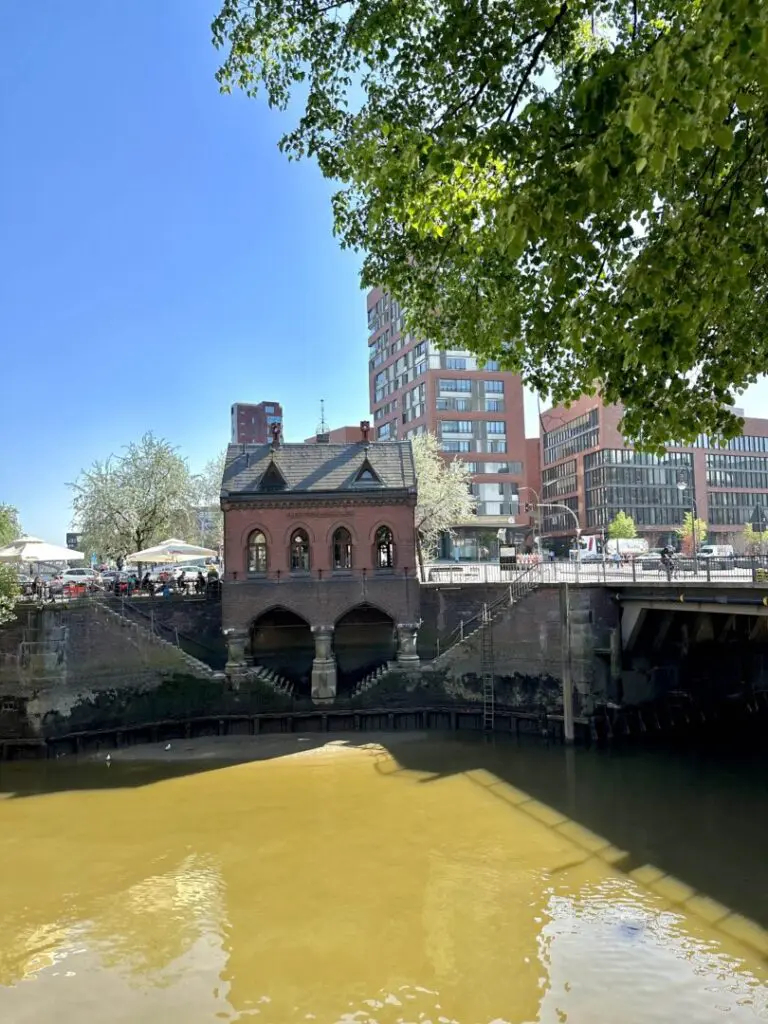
x=200 y=582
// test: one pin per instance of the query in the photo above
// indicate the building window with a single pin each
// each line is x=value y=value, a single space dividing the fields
x=257 y=552
x=384 y=554
x=494 y=405
x=454 y=363
x=576 y=436
x=496 y=427
x=456 y=446
x=342 y=549
x=497 y=386
x=299 y=551
x=456 y=426
x=455 y=385
x=497 y=447
x=492 y=365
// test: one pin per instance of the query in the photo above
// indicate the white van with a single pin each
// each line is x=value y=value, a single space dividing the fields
x=716 y=551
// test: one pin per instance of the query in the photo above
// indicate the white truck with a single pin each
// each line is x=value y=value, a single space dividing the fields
x=627 y=547
x=589 y=548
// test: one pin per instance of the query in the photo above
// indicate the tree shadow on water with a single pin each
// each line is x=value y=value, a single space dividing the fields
x=700 y=816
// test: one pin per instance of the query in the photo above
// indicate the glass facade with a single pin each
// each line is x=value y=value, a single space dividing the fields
x=642 y=485
x=558 y=520
x=737 y=471
x=578 y=435
x=734 y=508
x=559 y=480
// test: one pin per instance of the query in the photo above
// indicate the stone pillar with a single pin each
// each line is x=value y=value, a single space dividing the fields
x=407 y=653
x=236 y=643
x=324 y=664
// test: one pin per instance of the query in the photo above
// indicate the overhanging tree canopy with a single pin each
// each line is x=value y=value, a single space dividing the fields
x=575 y=188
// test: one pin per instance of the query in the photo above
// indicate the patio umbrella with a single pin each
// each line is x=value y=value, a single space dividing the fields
x=32 y=549
x=173 y=551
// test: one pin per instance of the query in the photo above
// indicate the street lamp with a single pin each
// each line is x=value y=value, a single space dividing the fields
x=566 y=508
x=537 y=517
x=682 y=486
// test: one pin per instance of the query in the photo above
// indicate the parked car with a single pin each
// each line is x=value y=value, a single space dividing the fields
x=73 y=577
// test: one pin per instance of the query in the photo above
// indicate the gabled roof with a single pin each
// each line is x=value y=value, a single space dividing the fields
x=253 y=469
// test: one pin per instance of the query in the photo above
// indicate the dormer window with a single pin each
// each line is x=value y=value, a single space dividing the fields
x=367 y=474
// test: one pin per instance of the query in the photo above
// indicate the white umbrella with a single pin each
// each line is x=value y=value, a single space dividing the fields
x=172 y=550
x=32 y=549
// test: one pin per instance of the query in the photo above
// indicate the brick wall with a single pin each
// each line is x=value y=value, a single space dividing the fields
x=320 y=602
x=75 y=658
x=528 y=643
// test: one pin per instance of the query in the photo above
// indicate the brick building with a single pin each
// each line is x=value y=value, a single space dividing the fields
x=587 y=466
x=320 y=553
x=475 y=410
x=252 y=424
x=339 y=435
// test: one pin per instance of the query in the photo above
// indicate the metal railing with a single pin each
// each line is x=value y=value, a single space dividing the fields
x=640 y=570
x=525 y=581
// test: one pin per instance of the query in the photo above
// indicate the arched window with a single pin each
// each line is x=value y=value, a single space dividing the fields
x=257 y=552
x=299 y=551
x=384 y=549
x=342 y=549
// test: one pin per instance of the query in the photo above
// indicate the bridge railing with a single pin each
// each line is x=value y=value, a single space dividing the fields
x=637 y=570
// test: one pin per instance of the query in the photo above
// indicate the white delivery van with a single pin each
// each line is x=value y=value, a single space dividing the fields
x=716 y=551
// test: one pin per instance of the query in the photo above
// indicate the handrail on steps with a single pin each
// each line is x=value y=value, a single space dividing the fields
x=526 y=581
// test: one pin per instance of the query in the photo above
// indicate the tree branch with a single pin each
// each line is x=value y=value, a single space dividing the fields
x=537 y=52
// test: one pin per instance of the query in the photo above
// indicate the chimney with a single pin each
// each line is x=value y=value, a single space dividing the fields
x=322 y=438
x=275 y=429
x=365 y=429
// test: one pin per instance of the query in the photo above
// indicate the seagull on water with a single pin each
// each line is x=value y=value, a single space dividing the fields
x=168 y=746
x=108 y=758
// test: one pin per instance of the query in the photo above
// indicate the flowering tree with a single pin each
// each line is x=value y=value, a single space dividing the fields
x=691 y=528
x=10 y=529
x=755 y=541
x=133 y=500
x=444 y=498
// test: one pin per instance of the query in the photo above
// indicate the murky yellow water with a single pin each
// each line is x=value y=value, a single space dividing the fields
x=349 y=884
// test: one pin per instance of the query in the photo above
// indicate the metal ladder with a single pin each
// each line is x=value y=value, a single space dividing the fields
x=486 y=663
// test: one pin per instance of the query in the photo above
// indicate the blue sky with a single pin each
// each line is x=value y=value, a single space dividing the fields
x=159 y=258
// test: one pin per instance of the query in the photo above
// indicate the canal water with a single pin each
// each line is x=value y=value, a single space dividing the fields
x=411 y=881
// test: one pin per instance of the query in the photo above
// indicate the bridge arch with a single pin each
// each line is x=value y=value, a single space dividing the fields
x=282 y=640
x=364 y=639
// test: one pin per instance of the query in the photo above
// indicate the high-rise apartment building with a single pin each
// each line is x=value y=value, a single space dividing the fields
x=252 y=424
x=475 y=410
x=587 y=466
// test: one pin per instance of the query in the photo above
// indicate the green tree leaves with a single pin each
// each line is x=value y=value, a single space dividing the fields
x=622 y=527
x=10 y=528
x=578 y=191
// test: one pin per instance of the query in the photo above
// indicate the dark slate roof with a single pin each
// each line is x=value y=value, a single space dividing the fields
x=318 y=468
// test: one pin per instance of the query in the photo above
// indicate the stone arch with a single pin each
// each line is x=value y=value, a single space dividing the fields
x=282 y=640
x=363 y=640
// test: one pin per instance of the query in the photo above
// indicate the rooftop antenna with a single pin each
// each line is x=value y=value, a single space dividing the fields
x=323 y=434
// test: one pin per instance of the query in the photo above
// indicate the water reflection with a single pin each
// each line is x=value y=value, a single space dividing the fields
x=355 y=885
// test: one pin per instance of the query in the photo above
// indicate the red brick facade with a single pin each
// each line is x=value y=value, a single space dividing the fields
x=319 y=541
